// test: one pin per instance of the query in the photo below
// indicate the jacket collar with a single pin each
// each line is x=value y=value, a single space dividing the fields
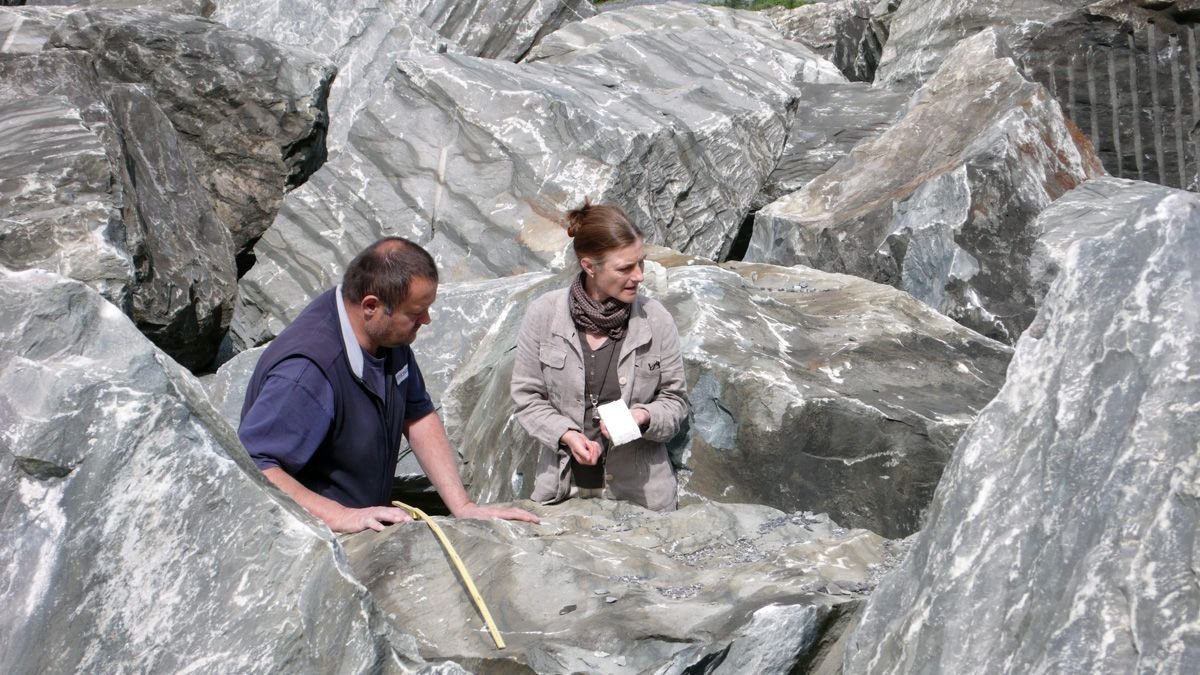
x=353 y=350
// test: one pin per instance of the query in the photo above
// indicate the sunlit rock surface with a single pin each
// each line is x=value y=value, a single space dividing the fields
x=608 y=587
x=94 y=188
x=943 y=203
x=844 y=31
x=138 y=534
x=478 y=160
x=809 y=391
x=1063 y=535
x=250 y=113
x=1124 y=71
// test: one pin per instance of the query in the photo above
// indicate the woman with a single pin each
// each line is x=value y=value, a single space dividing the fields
x=591 y=343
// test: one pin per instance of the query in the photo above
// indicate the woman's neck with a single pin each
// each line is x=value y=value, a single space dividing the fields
x=589 y=287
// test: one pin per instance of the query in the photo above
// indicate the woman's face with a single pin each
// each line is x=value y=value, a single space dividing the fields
x=618 y=276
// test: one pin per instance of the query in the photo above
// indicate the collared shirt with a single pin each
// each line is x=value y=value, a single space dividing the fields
x=293 y=413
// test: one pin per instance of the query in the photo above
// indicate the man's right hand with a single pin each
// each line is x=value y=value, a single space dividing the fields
x=585 y=451
x=348 y=520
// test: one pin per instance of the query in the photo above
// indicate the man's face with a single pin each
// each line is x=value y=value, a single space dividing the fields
x=399 y=326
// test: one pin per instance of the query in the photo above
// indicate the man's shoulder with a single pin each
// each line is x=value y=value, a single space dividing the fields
x=314 y=334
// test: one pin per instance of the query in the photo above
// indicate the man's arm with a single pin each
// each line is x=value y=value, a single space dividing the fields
x=339 y=518
x=428 y=439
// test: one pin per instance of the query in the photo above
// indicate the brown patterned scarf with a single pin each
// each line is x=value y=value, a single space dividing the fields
x=610 y=317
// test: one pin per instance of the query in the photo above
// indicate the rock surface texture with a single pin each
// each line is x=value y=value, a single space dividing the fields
x=137 y=533
x=1063 y=535
x=250 y=114
x=95 y=187
x=809 y=391
x=479 y=159
x=1126 y=72
x=943 y=203
x=604 y=587
x=845 y=32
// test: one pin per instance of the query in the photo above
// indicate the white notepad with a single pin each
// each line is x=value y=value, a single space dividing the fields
x=622 y=428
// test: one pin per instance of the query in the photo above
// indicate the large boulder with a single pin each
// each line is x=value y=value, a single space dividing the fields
x=365 y=37
x=942 y=204
x=1124 y=71
x=845 y=32
x=477 y=160
x=830 y=120
x=25 y=30
x=196 y=7
x=100 y=191
x=607 y=587
x=1063 y=535
x=138 y=534
x=809 y=391
x=250 y=114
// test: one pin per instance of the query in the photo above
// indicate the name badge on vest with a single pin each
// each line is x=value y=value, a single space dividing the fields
x=402 y=376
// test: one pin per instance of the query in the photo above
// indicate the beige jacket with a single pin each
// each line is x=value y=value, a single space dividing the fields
x=547 y=387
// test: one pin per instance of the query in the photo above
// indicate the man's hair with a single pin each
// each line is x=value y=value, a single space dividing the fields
x=386 y=269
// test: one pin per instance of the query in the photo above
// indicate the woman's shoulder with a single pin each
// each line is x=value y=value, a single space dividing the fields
x=544 y=306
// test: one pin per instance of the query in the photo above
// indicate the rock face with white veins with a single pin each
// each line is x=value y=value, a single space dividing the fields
x=478 y=160
x=250 y=113
x=1063 y=537
x=809 y=391
x=139 y=536
x=942 y=204
x=95 y=187
x=608 y=587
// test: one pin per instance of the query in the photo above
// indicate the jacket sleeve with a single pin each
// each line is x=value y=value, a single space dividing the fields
x=528 y=388
x=670 y=406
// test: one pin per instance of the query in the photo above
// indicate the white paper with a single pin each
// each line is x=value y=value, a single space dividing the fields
x=622 y=428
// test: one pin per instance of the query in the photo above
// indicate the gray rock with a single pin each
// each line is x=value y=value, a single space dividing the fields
x=250 y=113
x=693 y=586
x=60 y=199
x=922 y=34
x=809 y=391
x=1063 y=534
x=943 y=203
x=364 y=37
x=226 y=388
x=25 y=30
x=830 y=120
x=843 y=32
x=477 y=160
x=195 y=7
x=676 y=17
x=138 y=534
x=1124 y=72
x=102 y=195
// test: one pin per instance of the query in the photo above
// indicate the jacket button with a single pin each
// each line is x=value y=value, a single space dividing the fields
x=608 y=476
x=622 y=380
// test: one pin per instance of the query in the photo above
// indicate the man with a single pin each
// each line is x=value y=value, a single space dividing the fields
x=333 y=394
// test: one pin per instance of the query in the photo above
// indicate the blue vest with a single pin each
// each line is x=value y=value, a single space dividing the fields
x=356 y=461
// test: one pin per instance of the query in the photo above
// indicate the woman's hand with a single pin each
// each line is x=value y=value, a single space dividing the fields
x=585 y=451
x=641 y=417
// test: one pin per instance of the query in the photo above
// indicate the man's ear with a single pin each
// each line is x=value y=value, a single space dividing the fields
x=370 y=305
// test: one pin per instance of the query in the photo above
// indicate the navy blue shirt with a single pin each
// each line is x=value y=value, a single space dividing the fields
x=342 y=447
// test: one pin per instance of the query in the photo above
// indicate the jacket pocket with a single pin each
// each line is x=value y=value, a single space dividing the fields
x=552 y=357
x=647 y=374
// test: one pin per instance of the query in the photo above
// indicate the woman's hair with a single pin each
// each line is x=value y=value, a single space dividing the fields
x=599 y=228
x=386 y=269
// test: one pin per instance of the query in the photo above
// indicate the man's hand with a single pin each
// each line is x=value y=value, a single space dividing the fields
x=585 y=451
x=348 y=520
x=473 y=510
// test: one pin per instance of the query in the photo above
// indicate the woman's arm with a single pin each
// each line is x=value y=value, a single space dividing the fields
x=670 y=406
x=528 y=388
